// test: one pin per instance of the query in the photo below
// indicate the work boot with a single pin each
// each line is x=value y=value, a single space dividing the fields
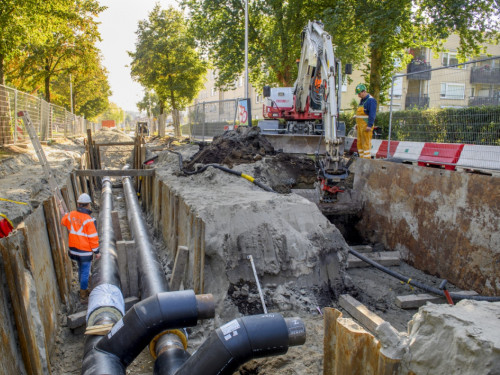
x=84 y=296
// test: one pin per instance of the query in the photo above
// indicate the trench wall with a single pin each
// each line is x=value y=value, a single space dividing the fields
x=443 y=222
x=35 y=279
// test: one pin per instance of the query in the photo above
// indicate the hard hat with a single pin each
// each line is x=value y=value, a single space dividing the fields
x=84 y=198
x=360 y=88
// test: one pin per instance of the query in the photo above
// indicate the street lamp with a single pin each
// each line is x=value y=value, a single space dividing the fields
x=246 y=48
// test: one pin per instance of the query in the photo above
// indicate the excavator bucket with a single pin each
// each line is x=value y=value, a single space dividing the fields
x=297 y=143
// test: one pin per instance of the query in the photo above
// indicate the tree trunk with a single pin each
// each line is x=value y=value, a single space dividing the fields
x=175 y=116
x=376 y=73
x=47 y=84
x=161 y=121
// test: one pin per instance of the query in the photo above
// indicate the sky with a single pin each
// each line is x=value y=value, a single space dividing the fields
x=118 y=25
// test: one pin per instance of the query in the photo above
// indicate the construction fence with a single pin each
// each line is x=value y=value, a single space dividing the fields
x=50 y=121
x=209 y=119
x=452 y=104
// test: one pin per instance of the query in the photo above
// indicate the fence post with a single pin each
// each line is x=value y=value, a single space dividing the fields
x=15 y=115
x=390 y=119
x=203 y=128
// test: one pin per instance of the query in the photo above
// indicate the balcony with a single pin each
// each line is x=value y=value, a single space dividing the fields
x=419 y=66
x=419 y=102
x=476 y=101
x=485 y=74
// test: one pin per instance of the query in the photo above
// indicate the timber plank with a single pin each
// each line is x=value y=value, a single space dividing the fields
x=360 y=312
x=414 y=301
x=384 y=258
x=181 y=259
x=115 y=172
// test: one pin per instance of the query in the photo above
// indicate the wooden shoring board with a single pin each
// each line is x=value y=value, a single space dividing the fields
x=360 y=312
x=115 y=172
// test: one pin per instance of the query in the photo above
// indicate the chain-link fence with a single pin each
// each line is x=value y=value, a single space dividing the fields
x=206 y=120
x=50 y=121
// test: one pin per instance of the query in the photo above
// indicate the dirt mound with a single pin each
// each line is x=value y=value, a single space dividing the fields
x=114 y=156
x=240 y=146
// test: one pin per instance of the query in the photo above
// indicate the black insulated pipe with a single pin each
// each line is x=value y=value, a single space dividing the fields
x=244 y=339
x=151 y=276
x=170 y=355
x=106 y=269
x=148 y=318
x=105 y=272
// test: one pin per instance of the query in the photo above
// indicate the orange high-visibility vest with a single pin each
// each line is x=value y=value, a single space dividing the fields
x=82 y=232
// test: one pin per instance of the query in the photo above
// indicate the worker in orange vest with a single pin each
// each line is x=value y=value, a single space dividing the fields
x=83 y=241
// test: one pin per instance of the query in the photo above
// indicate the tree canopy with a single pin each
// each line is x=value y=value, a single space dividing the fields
x=167 y=62
x=371 y=34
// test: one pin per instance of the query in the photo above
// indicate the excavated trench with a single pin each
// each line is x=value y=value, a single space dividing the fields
x=222 y=219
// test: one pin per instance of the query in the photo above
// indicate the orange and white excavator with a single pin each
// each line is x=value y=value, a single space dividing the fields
x=312 y=106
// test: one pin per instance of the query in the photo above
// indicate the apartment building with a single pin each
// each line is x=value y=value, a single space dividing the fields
x=462 y=86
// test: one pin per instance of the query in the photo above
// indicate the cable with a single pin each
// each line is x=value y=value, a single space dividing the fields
x=225 y=169
x=419 y=285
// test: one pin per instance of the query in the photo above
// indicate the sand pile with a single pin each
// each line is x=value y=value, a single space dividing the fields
x=459 y=339
x=22 y=179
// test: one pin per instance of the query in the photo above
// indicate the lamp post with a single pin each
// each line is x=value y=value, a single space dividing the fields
x=71 y=91
x=246 y=48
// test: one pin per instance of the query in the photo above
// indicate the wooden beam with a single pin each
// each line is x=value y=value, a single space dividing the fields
x=384 y=258
x=414 y=301
x=123 y=266
x=360 y=312
x=131 y=143
x=179 y=269
x=116 y=226
x=115 y=172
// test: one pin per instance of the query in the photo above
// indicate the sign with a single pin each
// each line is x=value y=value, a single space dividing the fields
x=244 y=112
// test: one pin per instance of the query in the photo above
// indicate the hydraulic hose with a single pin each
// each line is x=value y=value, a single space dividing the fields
x=242 y=340
x=148 y=318
x=225 y=169
x=408 y=280
x=151 y=275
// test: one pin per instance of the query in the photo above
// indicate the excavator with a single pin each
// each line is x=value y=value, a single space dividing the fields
x=313 y=104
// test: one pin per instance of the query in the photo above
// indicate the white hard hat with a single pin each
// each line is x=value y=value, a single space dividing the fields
x=84 y=198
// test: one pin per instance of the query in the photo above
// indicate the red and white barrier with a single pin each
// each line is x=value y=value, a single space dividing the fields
x=446 y=155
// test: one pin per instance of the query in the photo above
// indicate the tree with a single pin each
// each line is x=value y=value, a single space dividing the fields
x=273 y=43
x=73 y=32
x=388 y=29
x=166 y=61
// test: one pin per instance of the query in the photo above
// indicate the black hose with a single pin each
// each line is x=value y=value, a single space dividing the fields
x=419 y=285
x=225 y=169
x=242 y=340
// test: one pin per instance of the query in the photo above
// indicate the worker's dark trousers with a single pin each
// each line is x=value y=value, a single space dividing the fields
x=83 y=273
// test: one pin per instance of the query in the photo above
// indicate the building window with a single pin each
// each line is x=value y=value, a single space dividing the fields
x=452 y=91
x=450 y=58
x=240 y=81
x=344 y=84
x=258 y=98
x=213 y=91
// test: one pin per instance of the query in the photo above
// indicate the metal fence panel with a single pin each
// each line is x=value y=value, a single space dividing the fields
x=209 y=119
x=454 y=104
x=50 y=121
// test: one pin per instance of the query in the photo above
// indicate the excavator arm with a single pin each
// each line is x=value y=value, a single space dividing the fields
x=318 y=62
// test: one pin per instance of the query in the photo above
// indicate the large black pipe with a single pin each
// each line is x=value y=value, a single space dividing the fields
x=106 y=270
x=148 y=318
x=243 y=339
x=151 y=276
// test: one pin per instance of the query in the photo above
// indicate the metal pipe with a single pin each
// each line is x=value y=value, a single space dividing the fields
x=151 y=276
x=242 y=340
x=106 y=269
x=106 y=303
x=258 y=284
